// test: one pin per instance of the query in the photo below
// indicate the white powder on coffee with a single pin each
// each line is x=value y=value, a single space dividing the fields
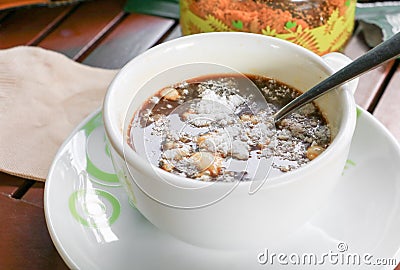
x=228 y=127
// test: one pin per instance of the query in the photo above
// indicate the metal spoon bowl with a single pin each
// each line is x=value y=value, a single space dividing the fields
x=375 y=57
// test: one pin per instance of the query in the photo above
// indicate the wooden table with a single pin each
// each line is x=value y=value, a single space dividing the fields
x=99 y=33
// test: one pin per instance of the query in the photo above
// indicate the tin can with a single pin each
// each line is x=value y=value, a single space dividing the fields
x=320 y=26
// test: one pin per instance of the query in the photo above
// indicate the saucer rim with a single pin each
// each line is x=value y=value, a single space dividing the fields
x=71 y=263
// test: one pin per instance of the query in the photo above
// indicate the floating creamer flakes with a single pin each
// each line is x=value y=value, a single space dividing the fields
x=211 y=130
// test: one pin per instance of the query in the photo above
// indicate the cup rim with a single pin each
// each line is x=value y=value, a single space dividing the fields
x=117 y=139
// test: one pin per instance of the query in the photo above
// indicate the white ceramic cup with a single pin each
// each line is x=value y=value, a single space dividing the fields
x=221 y=215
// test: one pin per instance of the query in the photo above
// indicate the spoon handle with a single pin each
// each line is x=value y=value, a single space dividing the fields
x=373 y=58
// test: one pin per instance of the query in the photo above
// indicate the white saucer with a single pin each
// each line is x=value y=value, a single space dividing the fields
x=94 y=226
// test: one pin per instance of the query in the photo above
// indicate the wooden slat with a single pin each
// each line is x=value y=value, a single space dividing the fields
x=92 y=44
x=388 y=108
x=35 y=195
x=4 y=14
x=24 y=240
x=371 y=84
x=22 y=189
x=135 y=34
x=25 y=25
x=9 y=183
x=82 y=26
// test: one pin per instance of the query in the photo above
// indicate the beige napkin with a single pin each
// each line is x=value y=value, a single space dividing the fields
x=43 y=96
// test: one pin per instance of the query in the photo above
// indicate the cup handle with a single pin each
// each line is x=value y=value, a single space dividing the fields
x=336 y=61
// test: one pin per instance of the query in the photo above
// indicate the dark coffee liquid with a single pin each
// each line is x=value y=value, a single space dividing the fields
x=215 y=128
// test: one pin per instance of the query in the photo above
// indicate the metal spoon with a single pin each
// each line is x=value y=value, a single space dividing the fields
x=387 y=50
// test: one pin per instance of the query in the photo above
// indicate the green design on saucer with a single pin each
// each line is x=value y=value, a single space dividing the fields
x=93 y=210
x=107 y=147
x=93 y=123
x=349 y=163
x=99 y=174
x=91 y=168
x=359 y=112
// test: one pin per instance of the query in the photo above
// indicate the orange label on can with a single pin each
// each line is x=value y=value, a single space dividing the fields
x=322 y=29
